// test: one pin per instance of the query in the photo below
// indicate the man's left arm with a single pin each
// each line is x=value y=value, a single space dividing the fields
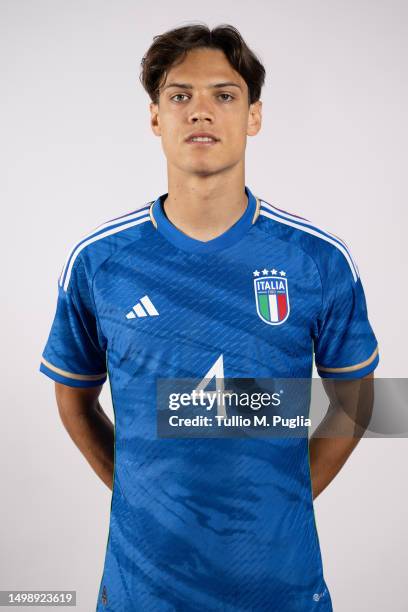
x=342 y=428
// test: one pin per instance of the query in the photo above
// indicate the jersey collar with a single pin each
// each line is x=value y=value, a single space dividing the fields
x=187 y=243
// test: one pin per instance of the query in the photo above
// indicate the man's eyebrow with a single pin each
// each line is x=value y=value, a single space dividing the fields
x=214 y=86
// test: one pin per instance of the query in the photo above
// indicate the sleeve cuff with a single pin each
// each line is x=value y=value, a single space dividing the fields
x=358 y=370
x=69 y=378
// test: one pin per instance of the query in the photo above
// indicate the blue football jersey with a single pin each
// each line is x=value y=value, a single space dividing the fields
x=214 y=524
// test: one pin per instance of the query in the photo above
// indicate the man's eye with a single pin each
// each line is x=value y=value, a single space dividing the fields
x=228 y=96
x=178 y=96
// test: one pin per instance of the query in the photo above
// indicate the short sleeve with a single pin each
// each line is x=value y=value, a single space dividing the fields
x=75 y=352
x=345 y=345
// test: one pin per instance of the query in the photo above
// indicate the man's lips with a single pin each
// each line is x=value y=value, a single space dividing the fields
x=207 y=143
x=204 y=139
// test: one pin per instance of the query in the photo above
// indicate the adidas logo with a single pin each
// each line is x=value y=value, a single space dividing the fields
x=139 y=311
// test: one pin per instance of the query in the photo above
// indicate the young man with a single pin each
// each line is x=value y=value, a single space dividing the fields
x=206 y=280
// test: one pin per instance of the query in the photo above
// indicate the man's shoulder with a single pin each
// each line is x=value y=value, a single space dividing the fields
x=324 y=247
x=95 y=246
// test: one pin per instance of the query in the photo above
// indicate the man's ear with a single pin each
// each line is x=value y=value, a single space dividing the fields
x=254 y=118
x=154 y=118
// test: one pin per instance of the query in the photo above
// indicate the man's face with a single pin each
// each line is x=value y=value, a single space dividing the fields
x=204 y=94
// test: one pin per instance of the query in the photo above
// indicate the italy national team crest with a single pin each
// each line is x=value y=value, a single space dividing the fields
x=271 y=295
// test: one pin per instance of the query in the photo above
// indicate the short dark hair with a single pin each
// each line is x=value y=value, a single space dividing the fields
x=171 y=48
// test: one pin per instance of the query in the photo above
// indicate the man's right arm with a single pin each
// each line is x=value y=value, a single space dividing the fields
x=89 y=427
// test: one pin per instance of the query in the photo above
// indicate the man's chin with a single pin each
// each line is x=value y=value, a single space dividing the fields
x=206 y=169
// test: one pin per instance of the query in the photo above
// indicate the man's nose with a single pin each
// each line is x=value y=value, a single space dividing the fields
x=202 y=111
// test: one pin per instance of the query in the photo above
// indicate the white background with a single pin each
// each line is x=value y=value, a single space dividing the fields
x=77 y=149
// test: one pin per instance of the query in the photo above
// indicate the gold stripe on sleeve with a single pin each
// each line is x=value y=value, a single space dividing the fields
x=70 y=374
x=351 y=368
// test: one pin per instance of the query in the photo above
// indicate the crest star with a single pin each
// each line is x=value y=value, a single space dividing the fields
x=256 y=273
x=282 y=273
x=274 y=271
x=265 y=271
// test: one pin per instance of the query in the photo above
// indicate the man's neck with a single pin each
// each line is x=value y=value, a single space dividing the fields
x=205 y=207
